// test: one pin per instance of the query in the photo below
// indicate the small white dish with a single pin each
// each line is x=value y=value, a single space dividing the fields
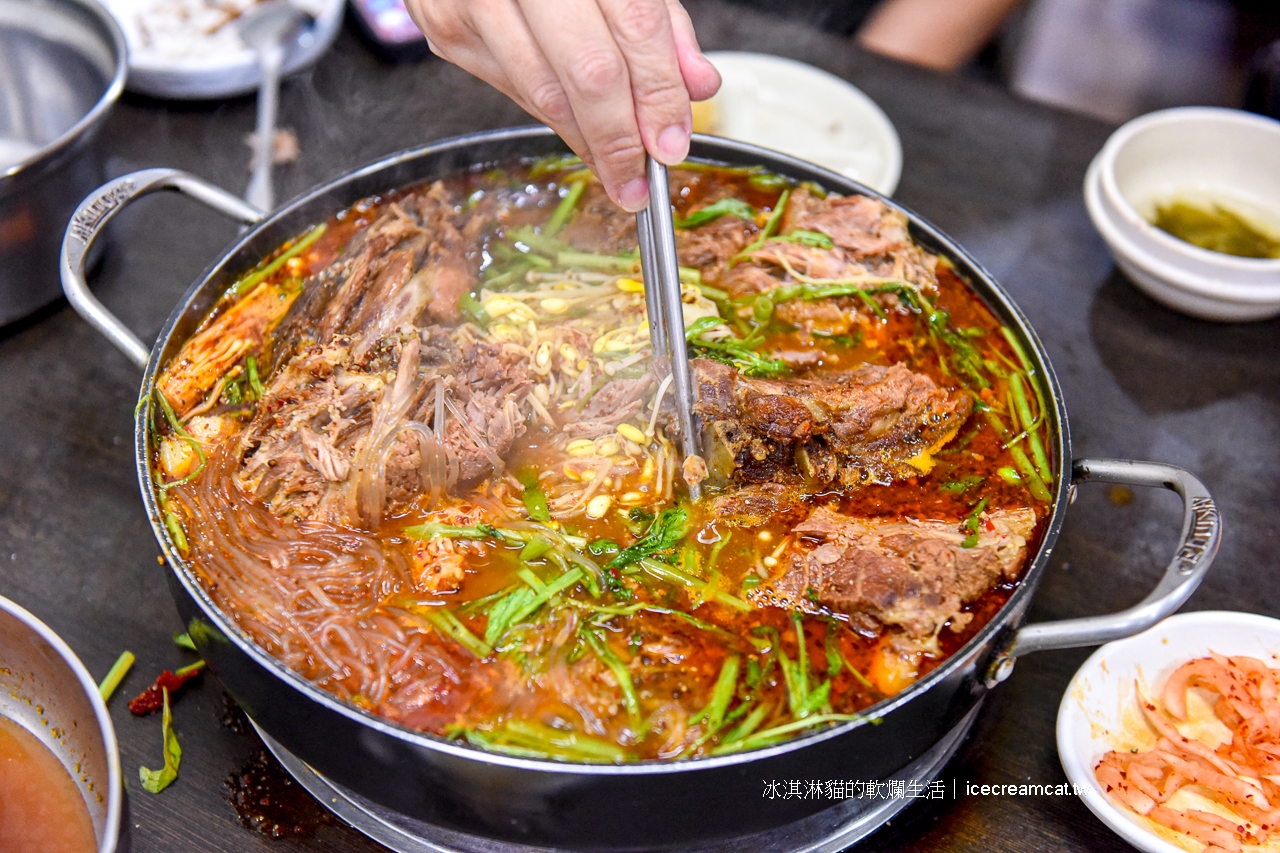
x=803 y=111
x=1194 y=154
x=171 y=64
x=1100 y=703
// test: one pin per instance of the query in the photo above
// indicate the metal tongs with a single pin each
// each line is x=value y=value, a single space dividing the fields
x=664 y=304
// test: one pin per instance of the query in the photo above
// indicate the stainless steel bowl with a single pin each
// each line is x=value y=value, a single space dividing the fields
x=62 y=66
x=46 y=689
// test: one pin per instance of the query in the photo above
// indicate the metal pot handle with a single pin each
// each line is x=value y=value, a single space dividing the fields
x=1201 y=532
x=96 y=211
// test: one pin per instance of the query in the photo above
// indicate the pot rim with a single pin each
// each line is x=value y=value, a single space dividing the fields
x=704 y=148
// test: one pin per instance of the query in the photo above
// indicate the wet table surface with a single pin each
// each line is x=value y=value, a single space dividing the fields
x=1000 y=175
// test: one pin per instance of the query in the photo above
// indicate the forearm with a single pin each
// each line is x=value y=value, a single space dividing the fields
x=941 y=34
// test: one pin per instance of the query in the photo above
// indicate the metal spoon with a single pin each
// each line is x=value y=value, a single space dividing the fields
x=663 y=301
x=267 y=28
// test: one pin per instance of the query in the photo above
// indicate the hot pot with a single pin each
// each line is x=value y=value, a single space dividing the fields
x=644 y=806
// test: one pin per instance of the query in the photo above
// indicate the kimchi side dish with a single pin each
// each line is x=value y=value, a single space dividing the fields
x=424 y=455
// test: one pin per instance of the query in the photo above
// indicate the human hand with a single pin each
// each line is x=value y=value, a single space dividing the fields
x=613 y=77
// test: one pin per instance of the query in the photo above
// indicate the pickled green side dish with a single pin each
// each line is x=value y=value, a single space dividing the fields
x=1216 y=228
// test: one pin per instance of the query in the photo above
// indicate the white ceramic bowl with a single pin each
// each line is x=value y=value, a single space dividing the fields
x=218 y=66
x=1193 y=154
x=1100 y=701
x=779 y=103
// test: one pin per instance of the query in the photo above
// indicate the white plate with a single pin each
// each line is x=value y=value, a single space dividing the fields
x=1100 y=703
x=214 y=65
x=805 y=112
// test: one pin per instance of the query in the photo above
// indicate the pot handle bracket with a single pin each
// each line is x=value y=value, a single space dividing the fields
x=1201 y=533
x=97 y=210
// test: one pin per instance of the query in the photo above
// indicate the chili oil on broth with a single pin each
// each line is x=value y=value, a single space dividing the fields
x=574 y=605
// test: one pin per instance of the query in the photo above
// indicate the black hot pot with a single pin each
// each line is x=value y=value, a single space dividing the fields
x=644 y=806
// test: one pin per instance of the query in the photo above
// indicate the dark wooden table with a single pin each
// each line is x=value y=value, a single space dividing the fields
x=1001 y=175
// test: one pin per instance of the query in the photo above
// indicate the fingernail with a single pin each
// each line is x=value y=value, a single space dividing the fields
x=673 y=145
x=714 y=70
x=634 y=195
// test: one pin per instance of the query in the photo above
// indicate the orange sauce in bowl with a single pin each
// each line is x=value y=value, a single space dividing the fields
x=41 y=809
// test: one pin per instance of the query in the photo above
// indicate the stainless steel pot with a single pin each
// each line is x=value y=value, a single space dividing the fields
x=646 y=806
x=46 y=689
x=62 y=66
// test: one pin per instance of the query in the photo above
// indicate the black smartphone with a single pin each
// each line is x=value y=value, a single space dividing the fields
x=387 y=25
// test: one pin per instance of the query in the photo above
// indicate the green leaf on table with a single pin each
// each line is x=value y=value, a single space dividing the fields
x=156 y=781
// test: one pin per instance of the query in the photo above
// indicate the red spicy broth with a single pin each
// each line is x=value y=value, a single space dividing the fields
x=41 y=809
x=424 y=457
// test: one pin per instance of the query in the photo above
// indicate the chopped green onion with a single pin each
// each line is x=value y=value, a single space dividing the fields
x=247 y=283
x=180 y=431
x=554 y=163
x=592 y=260
x=432 y=530
x=802 y=651
x=535 y=501
x=1029 y=425
x=534 y=548
x=723 y=207
x=535 y=740
x=722 y=693
x=448 y=625
x=815 y=700
x=474 y=311
x=567 y=206
x=189 y=669
x=742 y=731
x=601 y=648
x=816 y=239
x=184 y=641
x=811 y=290
x=1030 y=479
x=770 y=226
x=964 y=484
x=115 y=675
x=732 y=350
x=694 y=586
x=779 y=733
x=255 y=384
x=836 y=658
x=532 y=580
x=971 y=524
x=174 y=527
x=543 y=244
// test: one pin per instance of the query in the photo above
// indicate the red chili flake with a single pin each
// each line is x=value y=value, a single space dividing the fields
x=152 y=699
